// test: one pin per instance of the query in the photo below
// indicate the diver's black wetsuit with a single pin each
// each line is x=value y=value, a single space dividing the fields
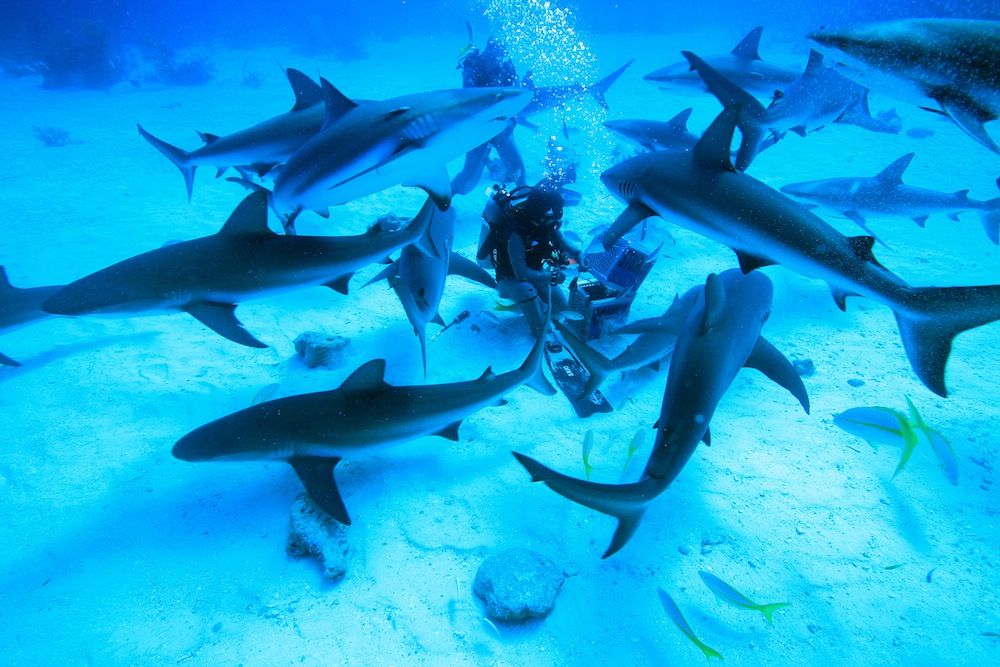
x=529 y=252
x=489 y=68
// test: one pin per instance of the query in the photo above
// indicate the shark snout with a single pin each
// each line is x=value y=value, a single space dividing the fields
x=190 y=448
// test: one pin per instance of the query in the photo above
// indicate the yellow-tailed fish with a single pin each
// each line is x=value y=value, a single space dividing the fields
x=880 y=426
x=633 y=447
x=588 y=445
x=677 y=617
x=727 y=593
x=939 y=444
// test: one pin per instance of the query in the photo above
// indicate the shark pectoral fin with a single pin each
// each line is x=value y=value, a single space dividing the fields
x=859 y=220
x=750 y=262
x=316 y=474
x=840 y=297
x=7 y=361
x=220 y=318
x=450 y=431
x=967 y=114
x=991 y=224
x=466 y=268
x=437 y=185
x=386 y=273
x=772 y=363
x=341 y=283
x=633 y=214
x=799 y=130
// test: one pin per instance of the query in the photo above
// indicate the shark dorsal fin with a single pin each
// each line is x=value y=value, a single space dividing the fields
x=747 y=48
x=815 y=63
x=712 y=150
x=337 y=104
x=249 y=218
x=962 y=194
x=368 y=376
x=208 y=137
x=893 y=174
x=680 y=120
x=488 y=375
x=4 y=281
x=307 y=92
x=715 y=302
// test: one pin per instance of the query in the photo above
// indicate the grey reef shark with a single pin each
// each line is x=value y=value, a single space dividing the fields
x=885 y=195
x=418 y=277
x=257 y=149
x=206 y=277
x=720 y=336
x=314 y=432
x=553 y=97
x=365 y=148
x=20 y=306
x=743 y=66
x=702 y=191
x=955 y=62
x=818 y=97
x=654 y=343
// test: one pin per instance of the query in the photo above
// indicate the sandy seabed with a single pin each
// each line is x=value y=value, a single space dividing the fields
x=115 y=553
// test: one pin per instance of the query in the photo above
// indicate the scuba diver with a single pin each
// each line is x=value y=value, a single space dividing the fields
x=490 y=67
x=528 y=251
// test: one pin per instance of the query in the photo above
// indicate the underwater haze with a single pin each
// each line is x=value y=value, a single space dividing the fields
x=744 y=407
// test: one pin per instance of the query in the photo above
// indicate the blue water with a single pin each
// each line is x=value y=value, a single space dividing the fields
x=116 y=553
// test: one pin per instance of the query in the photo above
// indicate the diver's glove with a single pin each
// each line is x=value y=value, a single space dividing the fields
x=558 y=277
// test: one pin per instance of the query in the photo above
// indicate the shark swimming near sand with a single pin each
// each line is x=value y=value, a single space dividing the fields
x=206 y=277
x=258 y=148
x=363 y=149
x=885 y=194
x=720 y=335
x=418 y=277
x=818 y=97
x=702 y=191
x=20 y=306
x=314 y=432
x=955 y=62
x=743 y=66
x=545 y=98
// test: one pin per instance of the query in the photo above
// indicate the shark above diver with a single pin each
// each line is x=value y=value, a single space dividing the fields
x=363 y=149
x=720 y=335
x=702 y=191
x=886 y=195
x=206 y=277
x=418 y=277
x=259 y=147
x=818 y=97
x=955 y=62
x=743 y=66
x=553 y=97
x=314 y=432
x=656 y=135
x=20 y=306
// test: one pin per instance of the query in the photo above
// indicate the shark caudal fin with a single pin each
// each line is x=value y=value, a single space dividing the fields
x=181 y=158
x=598 y=89
x=931 y=319
x=599 y=366
x=729 y=95
x=7 y=361
x=532 y=366
x=625 y=502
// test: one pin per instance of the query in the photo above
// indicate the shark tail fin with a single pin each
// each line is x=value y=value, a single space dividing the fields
x=422 y=228
x=7 y=361
x=596 y=363
x=934 y=316
x=532 y=366
x=181 y=158
x=601 y=87
x=625 y=502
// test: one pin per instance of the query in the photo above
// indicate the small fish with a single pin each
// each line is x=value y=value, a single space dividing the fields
x=727 y=593
x=895 y=566
x=675 y=615
x=930 y=574
x=990 y=634
x=637 y=440
x=880 y=426
x=942 y=448
x=588 y=445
